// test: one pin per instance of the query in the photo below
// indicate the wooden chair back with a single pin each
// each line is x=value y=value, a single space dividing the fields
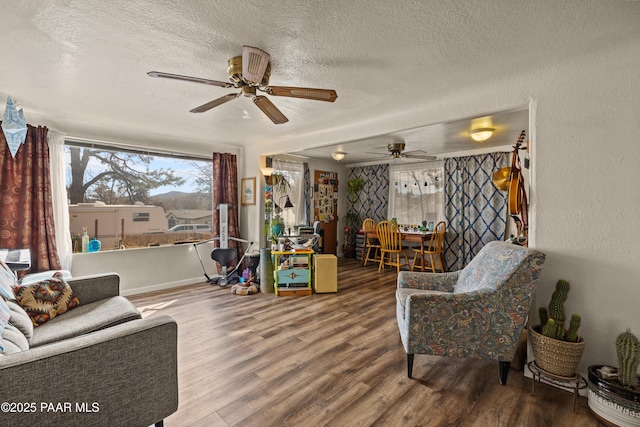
x=368 y=225
x=437 y=238
x=389 y=236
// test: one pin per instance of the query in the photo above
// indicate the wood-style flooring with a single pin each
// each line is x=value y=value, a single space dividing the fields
x=335 y=360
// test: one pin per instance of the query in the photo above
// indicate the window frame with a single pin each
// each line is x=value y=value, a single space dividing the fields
x=194 y=233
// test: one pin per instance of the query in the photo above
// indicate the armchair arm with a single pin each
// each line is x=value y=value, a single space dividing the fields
x=442 y=282
x=95 y=287
x=122 y=375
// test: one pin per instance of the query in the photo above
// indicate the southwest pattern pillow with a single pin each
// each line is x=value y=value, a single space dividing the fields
x=46 y=299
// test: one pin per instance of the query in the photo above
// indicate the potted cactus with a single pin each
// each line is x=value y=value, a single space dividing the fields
x=557 y=350
x=614 y=393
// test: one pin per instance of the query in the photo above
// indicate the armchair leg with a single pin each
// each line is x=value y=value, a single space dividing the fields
x=159 y=424
x=504 y=372
x=409 y=364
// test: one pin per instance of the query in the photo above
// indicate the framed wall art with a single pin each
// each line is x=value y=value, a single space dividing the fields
x=248 y=196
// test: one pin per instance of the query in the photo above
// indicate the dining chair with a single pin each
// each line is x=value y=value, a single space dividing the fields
x=371 y=241
x=391 y=244
x=434 y=250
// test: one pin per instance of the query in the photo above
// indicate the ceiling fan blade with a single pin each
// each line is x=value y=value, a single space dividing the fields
x=254 y=64
x=209 y=105
x=418 y=156
x=328 y=95
x=189 y=79
x=270 y=110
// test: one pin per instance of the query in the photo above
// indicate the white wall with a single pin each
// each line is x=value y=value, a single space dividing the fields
x=149 y=269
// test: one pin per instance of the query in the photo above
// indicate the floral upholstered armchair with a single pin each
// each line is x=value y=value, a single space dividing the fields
x=477 y=312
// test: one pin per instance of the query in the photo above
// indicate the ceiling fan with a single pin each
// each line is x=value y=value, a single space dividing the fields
x=250 y=72
x=396 y=149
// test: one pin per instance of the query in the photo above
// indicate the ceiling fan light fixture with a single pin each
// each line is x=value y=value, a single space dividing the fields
x=481 y=134
x=338 y=155
x=254 y=64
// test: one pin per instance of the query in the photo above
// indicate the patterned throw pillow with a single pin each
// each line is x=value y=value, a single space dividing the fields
x=46 y=299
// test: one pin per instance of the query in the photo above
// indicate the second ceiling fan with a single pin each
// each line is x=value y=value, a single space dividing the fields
x=249 y=73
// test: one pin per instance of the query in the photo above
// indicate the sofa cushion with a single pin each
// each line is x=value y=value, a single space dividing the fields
x=41 y=275
x=5 y=313
x=7 y=282
x=46 y=299
x=490 y=268
x=85 y=319
x=20 y=319
x=14 y=340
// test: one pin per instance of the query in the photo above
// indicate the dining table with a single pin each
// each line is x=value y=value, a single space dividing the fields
x=421 y=237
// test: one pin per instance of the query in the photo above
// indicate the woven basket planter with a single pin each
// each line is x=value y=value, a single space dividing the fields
x=554 y=356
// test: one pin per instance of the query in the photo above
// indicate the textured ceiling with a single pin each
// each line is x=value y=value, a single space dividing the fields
x=81 y=66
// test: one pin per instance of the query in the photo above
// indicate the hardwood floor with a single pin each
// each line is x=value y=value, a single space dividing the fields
x=333 y=359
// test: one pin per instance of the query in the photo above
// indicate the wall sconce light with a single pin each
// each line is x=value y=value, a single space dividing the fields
x=338 y=155
x=481 y=134
x=268 y=169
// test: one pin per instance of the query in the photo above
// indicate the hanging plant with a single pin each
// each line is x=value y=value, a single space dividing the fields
x=280 y=182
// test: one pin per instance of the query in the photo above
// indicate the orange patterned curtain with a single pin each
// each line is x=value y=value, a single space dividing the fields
x=26 y=210
x=225 y=190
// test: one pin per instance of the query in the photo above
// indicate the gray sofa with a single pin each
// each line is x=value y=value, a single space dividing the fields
x=99 y=364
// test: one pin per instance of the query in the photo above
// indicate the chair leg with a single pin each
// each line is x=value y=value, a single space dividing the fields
x=409 y=364
x=381 y=261
x=159 y=424
x=504 y=372
x=442 y=262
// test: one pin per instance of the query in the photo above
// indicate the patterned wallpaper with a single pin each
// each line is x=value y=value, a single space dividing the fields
x=373 y=200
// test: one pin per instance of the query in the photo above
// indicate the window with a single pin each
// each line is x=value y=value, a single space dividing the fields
x=416 y=192
x=141 y=216
x=293 y=173
x=129 y=199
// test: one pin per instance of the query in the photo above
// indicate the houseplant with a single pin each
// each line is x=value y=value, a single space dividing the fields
x=557 y=350
x=614 y=393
